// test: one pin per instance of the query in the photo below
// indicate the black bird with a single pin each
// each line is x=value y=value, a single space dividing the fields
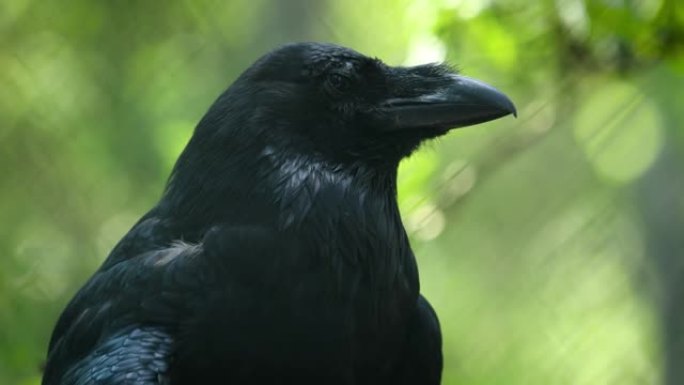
x=276 y=254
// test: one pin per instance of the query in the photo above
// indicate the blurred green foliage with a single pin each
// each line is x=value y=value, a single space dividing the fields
x=551 y=246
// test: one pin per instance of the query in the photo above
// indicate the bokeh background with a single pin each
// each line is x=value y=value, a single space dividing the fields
x=552 y=246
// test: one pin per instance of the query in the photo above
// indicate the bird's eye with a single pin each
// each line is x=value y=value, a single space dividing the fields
x=339 y=82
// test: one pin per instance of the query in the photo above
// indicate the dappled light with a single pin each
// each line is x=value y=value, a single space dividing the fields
x=620 y=130
x=549 y=245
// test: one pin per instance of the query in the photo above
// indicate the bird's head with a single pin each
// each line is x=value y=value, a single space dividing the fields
x=344 y=107
x=318 y=112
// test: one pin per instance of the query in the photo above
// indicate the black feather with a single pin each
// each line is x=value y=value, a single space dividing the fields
x=277 y=252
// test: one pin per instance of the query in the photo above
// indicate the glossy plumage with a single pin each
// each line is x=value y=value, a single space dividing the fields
x=276 y=254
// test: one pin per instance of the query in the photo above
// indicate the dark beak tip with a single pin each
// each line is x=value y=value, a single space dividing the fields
x=507 y=105
x=488 y=95
x=513 y=110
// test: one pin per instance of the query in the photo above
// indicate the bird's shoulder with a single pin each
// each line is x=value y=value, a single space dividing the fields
x=145 y=289
x=161 y=287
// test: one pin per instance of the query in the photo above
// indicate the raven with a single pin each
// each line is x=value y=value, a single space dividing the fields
x=277 y=254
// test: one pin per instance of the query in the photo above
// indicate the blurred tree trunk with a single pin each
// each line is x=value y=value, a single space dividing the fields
x=661 y=193
x=292 y=21
x=661 y=204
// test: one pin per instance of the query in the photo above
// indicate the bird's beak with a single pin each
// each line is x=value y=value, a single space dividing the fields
x=460 y=102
